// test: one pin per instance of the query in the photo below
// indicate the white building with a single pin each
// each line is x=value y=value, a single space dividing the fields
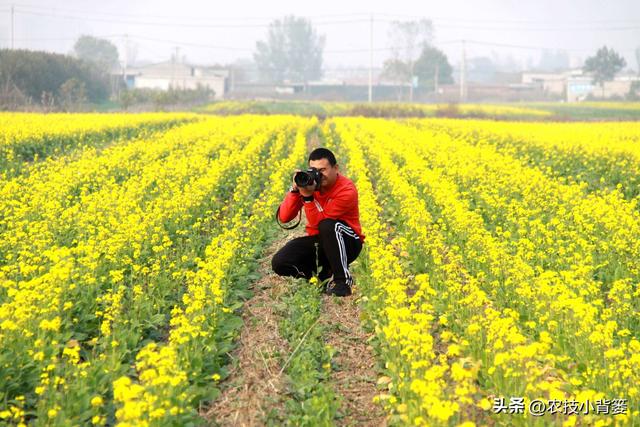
x=178 y=75
x=574 y=85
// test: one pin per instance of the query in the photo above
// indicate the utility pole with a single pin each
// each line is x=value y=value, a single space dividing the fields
x=411 y=83
x=435 y=80
x=232 y=77
x=173 y=67
x=462 y=73
x=126 y=58
x=12 y=18
x=371 y=60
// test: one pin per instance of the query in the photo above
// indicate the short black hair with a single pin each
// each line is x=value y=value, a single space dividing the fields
x=323 y=153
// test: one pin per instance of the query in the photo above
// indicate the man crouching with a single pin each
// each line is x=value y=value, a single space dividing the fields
x=334 y=237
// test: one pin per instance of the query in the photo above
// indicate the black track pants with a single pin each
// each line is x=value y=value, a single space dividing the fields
x=337 y=247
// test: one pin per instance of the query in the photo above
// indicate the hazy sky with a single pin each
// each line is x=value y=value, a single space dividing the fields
x=221 y=32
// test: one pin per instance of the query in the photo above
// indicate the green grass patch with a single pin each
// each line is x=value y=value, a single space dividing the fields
x=312 y=400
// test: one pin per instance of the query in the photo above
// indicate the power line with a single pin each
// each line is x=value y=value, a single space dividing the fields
x=514 y=46
x=507 y=21
x=113 y=36
x=174 y=17
x=235 y=48
x=189 y=44
x=338 y=51
x=363 y=15
x=381 y=49
x=320 y=23
x=476 y=28
x=177 y=24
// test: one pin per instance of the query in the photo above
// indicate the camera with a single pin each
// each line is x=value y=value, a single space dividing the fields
x=308 y=177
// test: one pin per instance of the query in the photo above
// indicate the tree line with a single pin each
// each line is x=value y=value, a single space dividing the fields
x=291 y=52
x=54 y=82
x=49 y=80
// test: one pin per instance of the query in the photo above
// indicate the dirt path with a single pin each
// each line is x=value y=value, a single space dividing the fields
x=255 y=388
x=354 y=366
x=256 y=391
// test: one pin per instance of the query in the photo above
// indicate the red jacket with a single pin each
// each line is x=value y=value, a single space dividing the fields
x=339 y=203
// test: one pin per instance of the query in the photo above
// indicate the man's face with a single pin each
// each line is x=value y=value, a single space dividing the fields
x=329 y=173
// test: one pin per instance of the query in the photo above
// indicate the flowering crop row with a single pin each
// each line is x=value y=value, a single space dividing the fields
x=500 y=261
x=162 y=388
x=25 y=137
x=509 y=281
x=120 y=247
x=603 y=155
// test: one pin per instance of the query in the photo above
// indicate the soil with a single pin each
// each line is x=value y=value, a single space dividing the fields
x=354 y=372
x=255 y=391
x=254 y=388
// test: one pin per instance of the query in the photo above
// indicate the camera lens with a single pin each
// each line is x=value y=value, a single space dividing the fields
x=301 y=179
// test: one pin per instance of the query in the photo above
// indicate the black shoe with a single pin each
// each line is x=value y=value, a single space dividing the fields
x=325 y=274
x=338 y=289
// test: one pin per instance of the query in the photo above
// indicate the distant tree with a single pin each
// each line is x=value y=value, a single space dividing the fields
x=396 y=71
x=244 y=70
x=604 y=65
x=638 y=58
x=31 y=73
x=100 y=52
x=292 y=51
x=481 y=69
x=431 y=65
x=73 y=93
x=408 y=39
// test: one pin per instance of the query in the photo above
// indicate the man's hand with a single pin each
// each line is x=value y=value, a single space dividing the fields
x=305 y=191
